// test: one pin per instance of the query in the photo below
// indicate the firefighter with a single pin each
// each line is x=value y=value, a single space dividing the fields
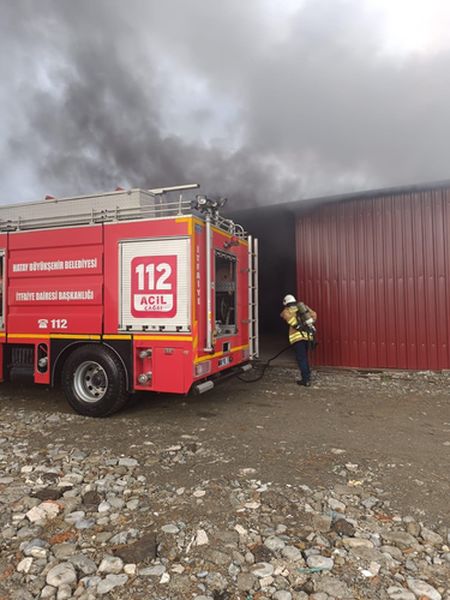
x=300 y=319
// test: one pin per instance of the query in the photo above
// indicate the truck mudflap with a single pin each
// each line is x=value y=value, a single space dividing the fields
x=208 y=384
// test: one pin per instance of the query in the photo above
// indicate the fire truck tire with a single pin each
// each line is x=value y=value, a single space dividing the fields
x=94 y=382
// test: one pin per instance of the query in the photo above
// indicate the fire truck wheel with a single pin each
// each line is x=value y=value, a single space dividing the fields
x=94 y=381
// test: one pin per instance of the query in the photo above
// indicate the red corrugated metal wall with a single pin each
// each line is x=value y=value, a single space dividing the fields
x=377 y=272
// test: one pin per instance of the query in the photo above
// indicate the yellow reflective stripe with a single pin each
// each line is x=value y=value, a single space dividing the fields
x=293 y=321
x=39 y=336
x=165 y=338
x=58 y=336
x=299 y=336
x=76 y=336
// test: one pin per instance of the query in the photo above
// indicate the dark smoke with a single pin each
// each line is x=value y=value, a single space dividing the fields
x=146 y=93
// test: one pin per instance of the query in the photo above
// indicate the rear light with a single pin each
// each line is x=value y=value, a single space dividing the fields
x=202 y=368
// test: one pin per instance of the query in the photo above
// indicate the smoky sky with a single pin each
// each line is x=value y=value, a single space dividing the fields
x=145 y=93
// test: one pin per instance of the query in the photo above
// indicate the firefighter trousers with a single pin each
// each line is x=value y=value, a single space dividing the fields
x=301 y=354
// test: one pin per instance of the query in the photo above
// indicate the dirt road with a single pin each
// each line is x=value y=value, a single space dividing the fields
x=253 y=491
x=397 y=430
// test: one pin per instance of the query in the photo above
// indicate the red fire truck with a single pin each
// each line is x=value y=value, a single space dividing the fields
x=131 y=290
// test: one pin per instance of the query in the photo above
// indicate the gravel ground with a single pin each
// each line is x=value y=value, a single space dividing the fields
x=251 y=492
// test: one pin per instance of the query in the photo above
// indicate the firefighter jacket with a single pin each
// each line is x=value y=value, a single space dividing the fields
x=297 y=332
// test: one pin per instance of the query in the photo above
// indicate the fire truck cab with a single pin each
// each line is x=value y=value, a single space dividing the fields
x=131 y=290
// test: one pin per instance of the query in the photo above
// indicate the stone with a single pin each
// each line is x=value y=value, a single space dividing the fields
x=292 y=553
x=321 y=522
x=344 y=528
x=333 y=586
x=48 y=494
x=421 y=588
x=91 y=582
x=64 y=592
x=266 y=582
x=178 y=569
x=165 y=578
x=128 y=462
x=352 y=467
x=201 y=538
x=111 y=564
x=25 y=565
x=143 y=549
x=261 y=553
x=372 y=571
x=274 y=543
x=262 y=569
x=75 y=516
x=154 y=571
x=85 y=524
x=316 y=561
x=110 y=583
x=61 y=574
x=336 y=505
x=282 y=595
x=392 y=551
x=104 y=507
x=120 y=538
x=430 y=537
x=399 y=538
x=246 y=582
x=130 y=569
x=413 y=528
x=370 y=502
x=48 y=592
x=91 y=500
x=82 y=563
x=357 y=543
x=170 y=529
x=63 y=550
x=36 y=548
x=399 y=593
x=42 y=513
x=241 y=530
x=199 y=493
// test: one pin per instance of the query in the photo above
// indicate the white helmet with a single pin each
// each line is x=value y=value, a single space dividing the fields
x=289 y=299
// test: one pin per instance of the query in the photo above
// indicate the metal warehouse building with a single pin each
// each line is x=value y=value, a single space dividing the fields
x=374 y=265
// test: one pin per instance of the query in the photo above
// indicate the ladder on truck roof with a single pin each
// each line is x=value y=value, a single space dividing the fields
x=253 y=329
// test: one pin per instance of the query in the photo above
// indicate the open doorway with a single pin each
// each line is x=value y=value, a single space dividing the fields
x=275 y=230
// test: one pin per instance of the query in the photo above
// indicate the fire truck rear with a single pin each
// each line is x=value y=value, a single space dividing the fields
x=137 y=290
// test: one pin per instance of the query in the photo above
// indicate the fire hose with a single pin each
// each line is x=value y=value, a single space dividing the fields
x=313 y=344
x=264 y=367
